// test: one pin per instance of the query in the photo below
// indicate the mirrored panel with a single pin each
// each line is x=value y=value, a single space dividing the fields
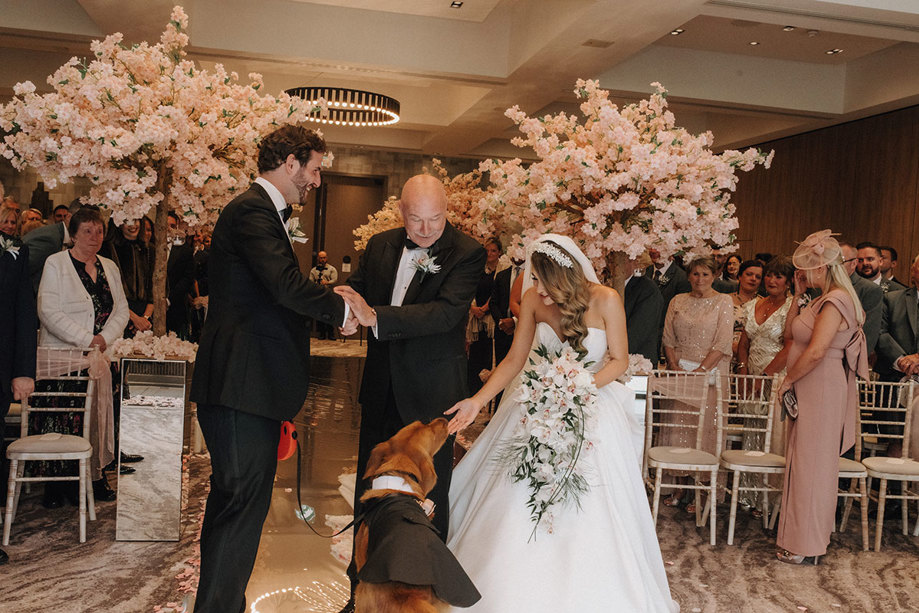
x=152 y=424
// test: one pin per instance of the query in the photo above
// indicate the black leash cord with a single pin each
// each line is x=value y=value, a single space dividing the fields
x=300 y=503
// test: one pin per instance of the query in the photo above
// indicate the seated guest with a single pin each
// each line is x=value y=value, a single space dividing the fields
x=870 y=295
x=898 y=349
x=750 y=276
x=9 y=221
x=889 y=265
x=643 y=307
x=81 y=304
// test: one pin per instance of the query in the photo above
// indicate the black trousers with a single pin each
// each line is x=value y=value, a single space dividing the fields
x=244 y=459
x=377 y=427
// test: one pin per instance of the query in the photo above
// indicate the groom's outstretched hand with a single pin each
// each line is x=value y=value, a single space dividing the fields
x=365 y=315
x=464 y=413
x=350 y=326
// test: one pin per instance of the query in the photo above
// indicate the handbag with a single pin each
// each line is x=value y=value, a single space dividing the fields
x=790 y=404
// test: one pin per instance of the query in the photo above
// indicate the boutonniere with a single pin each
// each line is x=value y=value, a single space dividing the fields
x=8 y=245
x=295 y=231
x=425 y=265
x=665 y=280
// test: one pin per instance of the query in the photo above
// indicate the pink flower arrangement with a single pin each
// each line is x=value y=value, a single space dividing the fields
x=616 y=181
x=146 y=343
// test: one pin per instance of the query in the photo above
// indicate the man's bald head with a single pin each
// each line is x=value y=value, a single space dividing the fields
x=424 y=209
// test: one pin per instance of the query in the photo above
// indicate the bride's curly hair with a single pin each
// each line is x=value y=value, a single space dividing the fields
x=569 y=289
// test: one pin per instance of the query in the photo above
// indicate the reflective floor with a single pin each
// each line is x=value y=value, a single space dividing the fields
x=291 y=557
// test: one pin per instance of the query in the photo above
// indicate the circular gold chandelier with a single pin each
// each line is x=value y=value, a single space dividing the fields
x=350 y=107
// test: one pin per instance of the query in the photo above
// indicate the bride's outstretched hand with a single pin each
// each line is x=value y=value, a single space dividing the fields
x=464 y=413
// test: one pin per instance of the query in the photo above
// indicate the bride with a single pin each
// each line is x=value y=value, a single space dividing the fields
x=601 y=554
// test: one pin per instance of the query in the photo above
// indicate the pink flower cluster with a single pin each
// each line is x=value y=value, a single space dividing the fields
x=146 y=343
x=144 y=124
x=616 y=180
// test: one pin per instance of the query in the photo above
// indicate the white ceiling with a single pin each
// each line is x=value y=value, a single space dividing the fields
x=455 y=71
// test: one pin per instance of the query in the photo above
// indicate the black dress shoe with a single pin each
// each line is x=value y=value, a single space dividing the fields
x=53 y=497
x=3 y=557
x=102 y=492
x=127 y=470
x=130 y=458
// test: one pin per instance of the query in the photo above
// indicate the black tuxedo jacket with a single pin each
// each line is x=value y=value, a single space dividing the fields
x=500 y=303
x=898 y=332
x=643 y=308
x=420 y=351
x=18 y=323
x=871 y=296
x=675 y=282
x=180 y=279
x=255 y=345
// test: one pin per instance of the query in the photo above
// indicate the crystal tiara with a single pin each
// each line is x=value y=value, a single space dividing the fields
x=561 y=258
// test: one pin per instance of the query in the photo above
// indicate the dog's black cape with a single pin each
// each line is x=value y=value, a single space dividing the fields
x=404 y=546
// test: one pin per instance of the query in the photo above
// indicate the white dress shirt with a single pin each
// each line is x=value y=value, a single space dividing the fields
x=405 y=273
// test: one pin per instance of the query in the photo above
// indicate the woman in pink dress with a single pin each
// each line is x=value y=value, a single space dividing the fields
x=827 y=352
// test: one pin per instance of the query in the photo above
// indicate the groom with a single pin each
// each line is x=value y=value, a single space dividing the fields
x=416 y=358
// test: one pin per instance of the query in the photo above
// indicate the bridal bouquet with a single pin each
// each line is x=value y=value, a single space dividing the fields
x=559 y=396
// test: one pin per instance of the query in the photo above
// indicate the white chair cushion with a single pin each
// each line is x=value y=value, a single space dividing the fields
x=682 y=455
x=850 y=466
x=47 y=444
x=892 y=466
x=747 y=457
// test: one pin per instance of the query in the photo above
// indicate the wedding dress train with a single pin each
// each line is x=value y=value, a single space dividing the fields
x=601 y=557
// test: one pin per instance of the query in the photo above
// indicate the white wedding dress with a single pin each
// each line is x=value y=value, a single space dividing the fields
x=603 y=557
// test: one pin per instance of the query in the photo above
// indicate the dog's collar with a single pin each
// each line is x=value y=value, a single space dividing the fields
x=392 y=482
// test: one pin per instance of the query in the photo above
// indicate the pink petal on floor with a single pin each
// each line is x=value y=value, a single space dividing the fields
x=800 y=608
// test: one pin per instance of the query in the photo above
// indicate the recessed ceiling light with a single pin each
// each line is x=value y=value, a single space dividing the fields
x=788 y=29
x=753 y=43
x=833 y=51
x=456 y=5
x=677 y=32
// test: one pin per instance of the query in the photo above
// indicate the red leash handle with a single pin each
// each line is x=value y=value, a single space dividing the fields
x=288 y=443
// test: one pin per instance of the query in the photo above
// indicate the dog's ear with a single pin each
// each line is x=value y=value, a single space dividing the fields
x=377 y=457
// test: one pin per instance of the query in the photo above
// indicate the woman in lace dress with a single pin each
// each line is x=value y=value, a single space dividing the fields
x=698 y=333
x=749 y=278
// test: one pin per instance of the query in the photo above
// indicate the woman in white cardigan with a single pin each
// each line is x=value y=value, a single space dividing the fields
x=81 y=303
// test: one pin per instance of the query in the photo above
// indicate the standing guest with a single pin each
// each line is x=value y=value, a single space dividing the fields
x=480 y=328
x=763 y=350
x=670 y=278
x=889 y=264
x=324 y=273
x=416 y=358
x=870 y=295
x=500 y=310
x=18 y=323
x=731 y=268
x=180 y=278
x=697 y=338
x=130 y=254
x=828 y=351
x=870 y=262
x=201 y=290
x=750 y=278
x=147 y=235
x=60 y=214
x=9 y=221
x=81 y=303
x=643 y=307
x=30 y=215
x=898 y=343
x=256 y=334
x=43 y=242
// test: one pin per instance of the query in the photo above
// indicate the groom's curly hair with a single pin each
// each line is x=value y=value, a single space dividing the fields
x=569 y=289
x=286 y=140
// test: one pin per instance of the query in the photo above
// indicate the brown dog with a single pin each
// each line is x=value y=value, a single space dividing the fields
x=402 y=565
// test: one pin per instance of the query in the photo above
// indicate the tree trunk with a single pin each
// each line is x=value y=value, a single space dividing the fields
x=618 y=270
x=161 y=253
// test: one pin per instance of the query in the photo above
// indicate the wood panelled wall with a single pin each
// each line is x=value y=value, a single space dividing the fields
x=860 y=179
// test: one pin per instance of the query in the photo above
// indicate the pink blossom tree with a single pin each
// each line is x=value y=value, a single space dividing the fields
x=152 y=132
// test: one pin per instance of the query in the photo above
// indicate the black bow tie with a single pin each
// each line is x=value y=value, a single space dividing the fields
x=410 y=244
x=286 y=213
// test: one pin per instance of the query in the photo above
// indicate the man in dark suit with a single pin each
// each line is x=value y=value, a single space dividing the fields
x=671 y=280
x=180 y=279
x=412 y=288
x=42 y=242
x=18 y=335
x=643 y=307
x=252 y=369
x=869 y=294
